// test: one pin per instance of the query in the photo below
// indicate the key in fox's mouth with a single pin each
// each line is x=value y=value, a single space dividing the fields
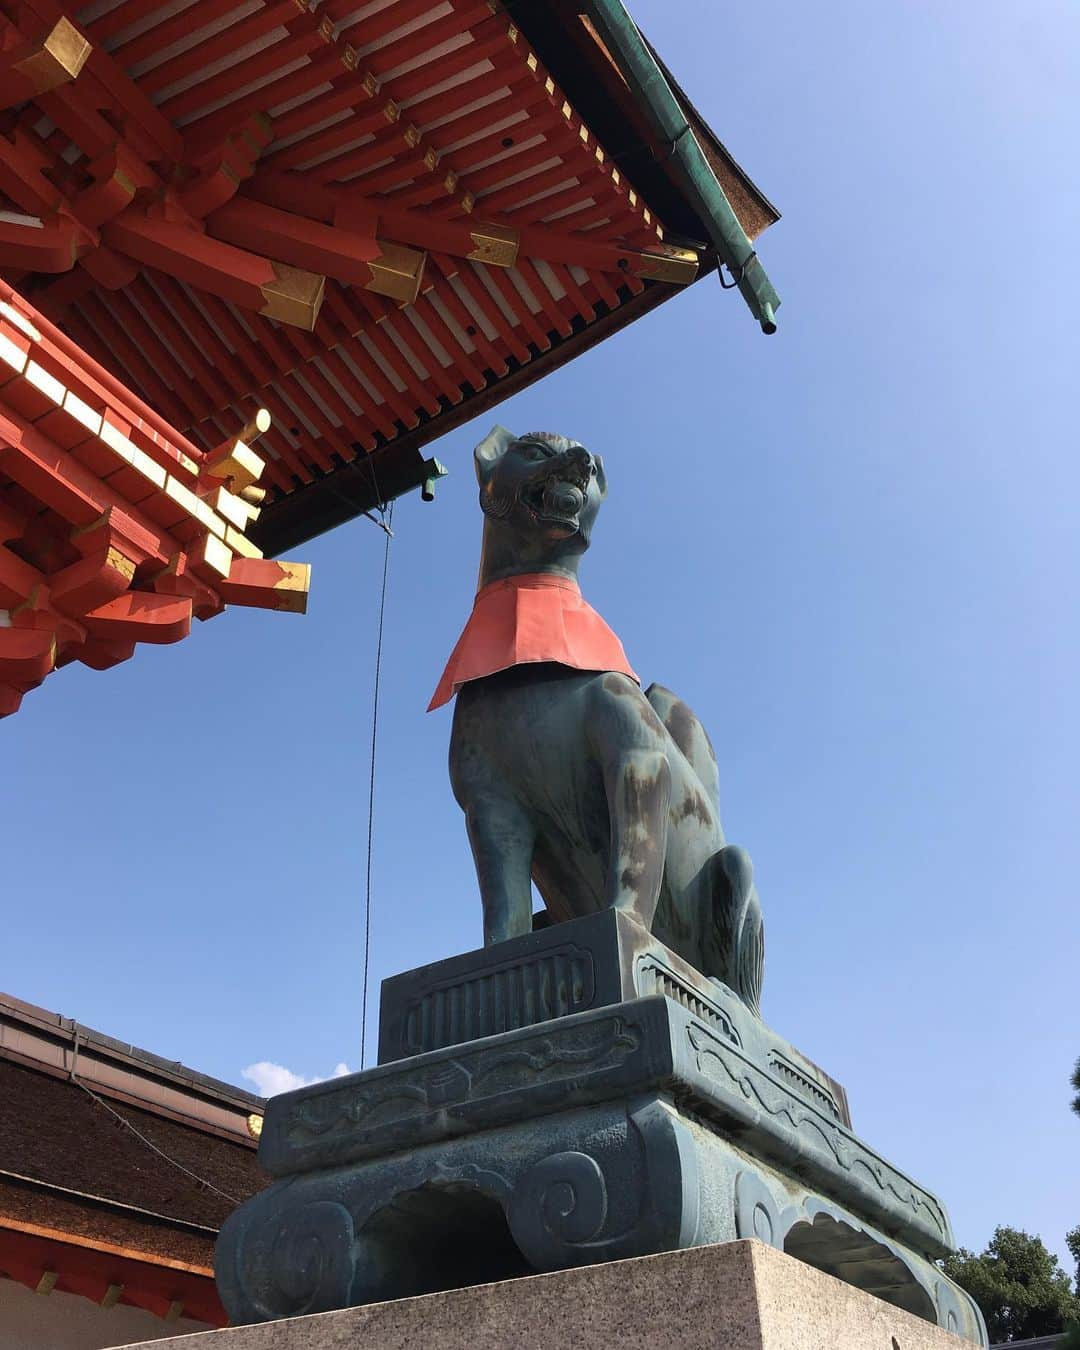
x=556 y=499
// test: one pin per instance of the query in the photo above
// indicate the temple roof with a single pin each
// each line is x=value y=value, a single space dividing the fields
x=374 y=220
x=117 y=1167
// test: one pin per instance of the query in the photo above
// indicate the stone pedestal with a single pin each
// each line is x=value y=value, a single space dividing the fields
x=576 y=1096
x=738 y=1296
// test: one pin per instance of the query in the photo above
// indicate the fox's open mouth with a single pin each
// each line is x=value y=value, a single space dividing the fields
x=557 y=499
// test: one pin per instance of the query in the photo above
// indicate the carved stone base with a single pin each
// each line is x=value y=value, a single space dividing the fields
x=603 y=1100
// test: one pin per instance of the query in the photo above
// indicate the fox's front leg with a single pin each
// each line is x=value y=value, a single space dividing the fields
x=501 y=833
x=638 y=787
x=628 y=740
x=502 y=839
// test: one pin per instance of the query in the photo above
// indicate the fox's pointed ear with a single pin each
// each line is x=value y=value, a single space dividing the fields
x=490 y=450
x=601 y=476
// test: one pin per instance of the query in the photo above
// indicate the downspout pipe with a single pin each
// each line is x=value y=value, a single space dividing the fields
x=646 y=80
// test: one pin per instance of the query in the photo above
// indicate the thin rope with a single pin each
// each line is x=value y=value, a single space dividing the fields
x=387 y=519
x=233 y=1199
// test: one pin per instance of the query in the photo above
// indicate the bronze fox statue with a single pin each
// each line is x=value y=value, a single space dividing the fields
x=576 y=779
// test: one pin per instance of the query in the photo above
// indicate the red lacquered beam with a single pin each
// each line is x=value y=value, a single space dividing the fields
x=52 y=247
x=279 y=469
x=471 y=160
x=482 y=301
x=96 y=378
x=149 y=131
x=422 y=40
x=221 y=43
x=405 y=167
x=338 y=376
x=17 y=579
x=335 y=335
x=324 y=142
x=344 y=254
x=416 y=388
x=107 y=340
x=468 y=323
x=296 y=407
x=518 y=307
x=79 y=119
x=246 y=347
x=61 y=483
x=124 y=15
x=157 y=315
x=289 y=387
x=201 y=333
x=427 y=188
x=365 y=33
x=354 y=323
x=267 y=584
x=547 y=301
x=169 y=30
x=233 y=273
x=190 y=106
x=355 y=426
x=119 y=314
x=209 y=128
x=460 y=358
x=403 y=333
x=474 y=129
x=141 y=616
x=402 y=145
x=456 y=235
x=23 y=165
x=411 y=86
x=445 y=108
x=538 y=184
x=352 y=90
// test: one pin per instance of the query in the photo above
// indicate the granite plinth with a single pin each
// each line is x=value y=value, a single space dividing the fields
x=603 y=1100
x=736 y=1296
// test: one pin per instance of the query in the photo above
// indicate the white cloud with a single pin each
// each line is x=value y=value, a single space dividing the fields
x=270 y=1079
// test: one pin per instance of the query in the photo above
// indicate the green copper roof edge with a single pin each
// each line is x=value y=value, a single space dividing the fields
x=645 y=78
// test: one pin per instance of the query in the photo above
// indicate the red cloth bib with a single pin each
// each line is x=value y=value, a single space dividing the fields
x=534 y=617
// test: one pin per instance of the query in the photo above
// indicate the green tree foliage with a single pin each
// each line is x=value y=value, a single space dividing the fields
x=1075 y=1081
x=1018 y=1284
x=1072 y=1241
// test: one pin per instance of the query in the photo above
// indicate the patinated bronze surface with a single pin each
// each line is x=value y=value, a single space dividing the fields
x=603 y=795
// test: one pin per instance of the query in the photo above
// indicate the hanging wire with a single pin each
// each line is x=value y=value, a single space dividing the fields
x=386 y=514
x=123 y=1120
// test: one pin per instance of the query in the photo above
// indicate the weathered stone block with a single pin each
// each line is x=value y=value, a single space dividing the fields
x=735 y=1296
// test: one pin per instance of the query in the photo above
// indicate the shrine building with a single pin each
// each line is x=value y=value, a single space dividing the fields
x=255 y=257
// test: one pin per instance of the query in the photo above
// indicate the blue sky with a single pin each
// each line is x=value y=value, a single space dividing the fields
x=850 y=547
